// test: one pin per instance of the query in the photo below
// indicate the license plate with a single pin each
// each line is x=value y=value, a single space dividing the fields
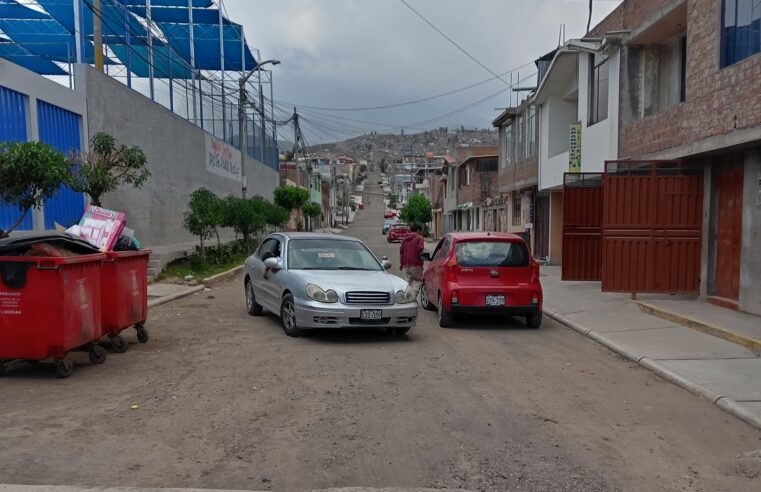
x=370 y=314
x=495 y=300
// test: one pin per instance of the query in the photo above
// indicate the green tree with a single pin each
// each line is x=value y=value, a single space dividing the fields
x=311 y=210
x=203 y=217
x=382 y=165
x=108 y=165
x=363 y=168
x=30 y=173
x=291 y=198
x=246 y=216
x=392 y=200
x=418 y=210
x=275 y=215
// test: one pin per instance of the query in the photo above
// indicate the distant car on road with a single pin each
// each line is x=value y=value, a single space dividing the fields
x=397 y=232
x=387 y=225
x=326 y=281
x=482 y=273
x=389 y=214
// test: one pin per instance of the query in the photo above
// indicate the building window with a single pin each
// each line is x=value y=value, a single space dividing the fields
x=531 y=132
x=519 y=139
x=741 y=30
x=598 y=88
x=516 y=208
x=507 y=145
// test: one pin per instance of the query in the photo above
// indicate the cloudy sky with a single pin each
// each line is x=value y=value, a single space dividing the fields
x=366 y=53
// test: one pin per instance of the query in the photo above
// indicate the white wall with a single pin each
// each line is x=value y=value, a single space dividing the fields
x=599 y=142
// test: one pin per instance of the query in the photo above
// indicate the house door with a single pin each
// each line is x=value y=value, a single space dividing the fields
x=728 y=231
x=542 y=226
x=582 y=226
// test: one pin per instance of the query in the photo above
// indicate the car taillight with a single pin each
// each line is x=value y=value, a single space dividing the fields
x=534 y=272
x=454 y=298
x=450 y=267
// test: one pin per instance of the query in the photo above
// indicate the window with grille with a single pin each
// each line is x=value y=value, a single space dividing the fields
x=516 y=208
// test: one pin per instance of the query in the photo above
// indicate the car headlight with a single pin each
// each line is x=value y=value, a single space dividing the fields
x=405 y=296
x=316 y=293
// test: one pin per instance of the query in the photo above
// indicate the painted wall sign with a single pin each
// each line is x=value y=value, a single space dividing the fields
x=222 y=159
x=574 y=147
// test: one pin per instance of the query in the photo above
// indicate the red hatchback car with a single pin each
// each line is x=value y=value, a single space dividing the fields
x=397 y=232
x=482 y=273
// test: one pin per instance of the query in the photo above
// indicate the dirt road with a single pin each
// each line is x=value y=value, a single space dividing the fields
x=228 y=401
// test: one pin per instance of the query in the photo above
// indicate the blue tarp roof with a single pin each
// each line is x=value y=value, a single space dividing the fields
x=50 y=34
x=112 y=14
x=180 y=15
x=206 y=43
x=161 y=56
x=25 y=58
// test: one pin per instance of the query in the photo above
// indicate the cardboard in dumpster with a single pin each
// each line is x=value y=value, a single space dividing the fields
x=100 y=227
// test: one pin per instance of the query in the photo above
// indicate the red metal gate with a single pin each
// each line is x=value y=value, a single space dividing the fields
x=582 y=226
x=652 y=224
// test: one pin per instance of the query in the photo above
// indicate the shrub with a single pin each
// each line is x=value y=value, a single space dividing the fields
x=30 y=173
x=417 y=210
x=108 y=165
x=203 y=217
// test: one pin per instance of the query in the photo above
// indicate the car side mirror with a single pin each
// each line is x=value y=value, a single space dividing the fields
x=273 y=263
x=387 y=265
x=425 y=256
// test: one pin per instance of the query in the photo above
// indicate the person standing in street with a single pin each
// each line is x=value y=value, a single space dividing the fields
x=409 y=258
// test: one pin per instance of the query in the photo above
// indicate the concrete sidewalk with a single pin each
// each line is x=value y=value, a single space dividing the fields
x=723 y=372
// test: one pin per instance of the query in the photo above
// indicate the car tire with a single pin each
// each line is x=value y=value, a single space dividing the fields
x=534 y=320
x=288 y=317
x=424 y=301
x=444 y=316
x=253 y=308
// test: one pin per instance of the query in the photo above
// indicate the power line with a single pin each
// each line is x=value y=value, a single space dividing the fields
x=453 y=42
x=413 y=101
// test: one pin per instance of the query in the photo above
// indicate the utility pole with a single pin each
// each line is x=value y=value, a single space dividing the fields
x=296 y=130
x=242 y=137
x=97 y=29
x=262 y=117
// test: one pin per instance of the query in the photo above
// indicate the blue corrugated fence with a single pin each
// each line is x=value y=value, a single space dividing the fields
x=12 y=129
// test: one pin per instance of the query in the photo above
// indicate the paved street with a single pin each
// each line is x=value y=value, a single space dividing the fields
x=228 y=401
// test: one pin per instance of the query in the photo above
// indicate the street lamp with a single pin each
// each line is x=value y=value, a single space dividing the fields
x=242 y=100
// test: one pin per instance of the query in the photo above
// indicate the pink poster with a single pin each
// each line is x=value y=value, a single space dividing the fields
x=101 y=227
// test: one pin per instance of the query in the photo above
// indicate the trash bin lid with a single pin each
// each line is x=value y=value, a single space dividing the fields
x=27 y=238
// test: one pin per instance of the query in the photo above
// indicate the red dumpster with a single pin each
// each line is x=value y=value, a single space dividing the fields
x=124 y=295
x=50 y=306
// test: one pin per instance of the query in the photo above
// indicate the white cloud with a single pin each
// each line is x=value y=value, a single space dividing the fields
x=339 y=53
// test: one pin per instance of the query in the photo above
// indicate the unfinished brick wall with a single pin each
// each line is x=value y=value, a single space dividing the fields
x=479 y=182
x=718 y=101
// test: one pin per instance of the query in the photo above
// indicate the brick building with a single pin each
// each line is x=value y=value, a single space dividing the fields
x=463 y=190
x=676 y=84
x=512 y=207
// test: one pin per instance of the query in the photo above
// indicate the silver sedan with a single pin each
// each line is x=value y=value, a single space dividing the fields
x=326 y=281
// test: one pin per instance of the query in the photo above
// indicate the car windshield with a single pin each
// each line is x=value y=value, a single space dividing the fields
x=330 y=254
x=491 y=254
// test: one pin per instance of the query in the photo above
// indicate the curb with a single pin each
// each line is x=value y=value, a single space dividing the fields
x=174 y=297
x=750 y=343
x=219 y=278
x=725 y=403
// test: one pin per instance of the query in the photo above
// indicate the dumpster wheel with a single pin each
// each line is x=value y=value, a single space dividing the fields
x=64 y=368
x=97 y=354
x=2 y=368
x=119 y=344
x=142 y=333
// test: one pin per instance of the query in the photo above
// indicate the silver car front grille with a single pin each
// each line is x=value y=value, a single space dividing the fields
x=368 y=297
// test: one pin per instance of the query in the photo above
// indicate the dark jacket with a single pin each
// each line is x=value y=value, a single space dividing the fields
x=410 y=249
